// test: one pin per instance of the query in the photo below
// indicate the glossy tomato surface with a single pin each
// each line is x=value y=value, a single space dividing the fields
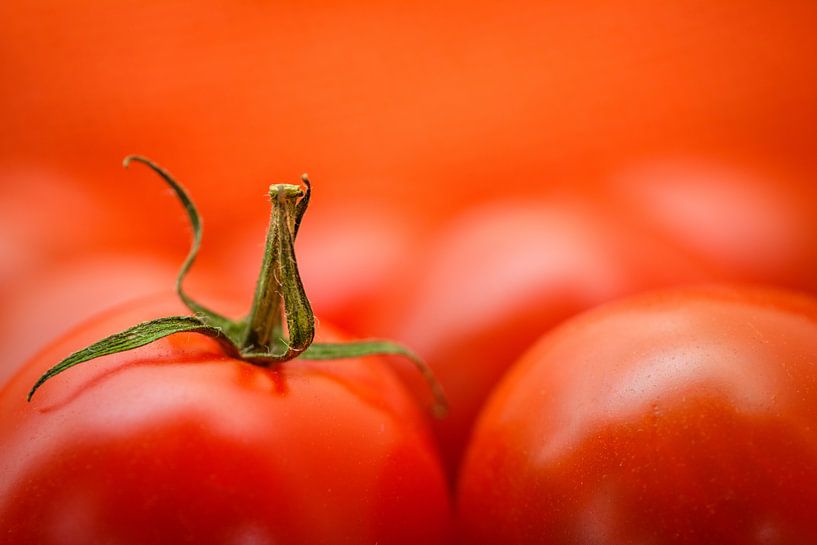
x=679 y=417
x=177 y=443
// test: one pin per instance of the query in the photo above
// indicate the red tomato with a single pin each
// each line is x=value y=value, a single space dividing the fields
x=177 y=443
x=682 y=417
x=499 y=276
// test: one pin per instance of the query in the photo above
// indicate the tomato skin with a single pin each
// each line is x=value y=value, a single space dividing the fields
x=177 y=443
x=685 y=416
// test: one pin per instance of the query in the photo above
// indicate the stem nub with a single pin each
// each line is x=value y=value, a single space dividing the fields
x=279 y=290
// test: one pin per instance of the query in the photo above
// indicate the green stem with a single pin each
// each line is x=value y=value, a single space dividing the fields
x=262 y=337
x=279 y=289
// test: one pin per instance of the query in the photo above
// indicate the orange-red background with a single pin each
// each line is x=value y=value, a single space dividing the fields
x=410 y=111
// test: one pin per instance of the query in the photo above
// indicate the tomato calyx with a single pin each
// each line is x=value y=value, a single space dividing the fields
x=280 y=325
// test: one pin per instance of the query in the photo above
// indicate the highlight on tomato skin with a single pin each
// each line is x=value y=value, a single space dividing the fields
x=684 y=416
x=178 y=443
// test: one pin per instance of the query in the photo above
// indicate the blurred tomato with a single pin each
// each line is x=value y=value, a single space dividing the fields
x=66 y=254
x=497 y=277
x=52 y=301
x=503 y=273
x=739 y=222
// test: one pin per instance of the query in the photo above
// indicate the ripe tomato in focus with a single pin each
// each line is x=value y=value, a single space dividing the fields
x=499 y=276
x=679 y=417
x=177 y=443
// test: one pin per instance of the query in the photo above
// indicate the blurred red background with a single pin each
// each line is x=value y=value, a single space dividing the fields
x=402 y=114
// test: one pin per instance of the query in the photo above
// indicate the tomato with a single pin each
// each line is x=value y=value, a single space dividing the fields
x=499 y=276
x=219 y=430
x=686 y=416
x=178 y=443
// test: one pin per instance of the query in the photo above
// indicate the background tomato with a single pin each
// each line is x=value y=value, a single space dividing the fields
x=680 y=417
x=383 y=98
x=500 y=275
x=749 y=223
x=195 y=447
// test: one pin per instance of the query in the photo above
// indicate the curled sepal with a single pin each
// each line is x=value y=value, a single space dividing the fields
x=134 y=337
x=377 y=347
x=302 y=205
x=211 y=317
